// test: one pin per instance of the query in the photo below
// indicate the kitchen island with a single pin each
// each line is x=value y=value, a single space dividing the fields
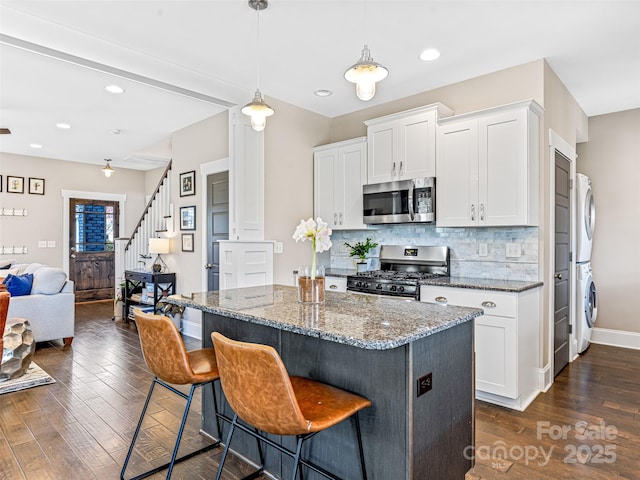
x=414 y=361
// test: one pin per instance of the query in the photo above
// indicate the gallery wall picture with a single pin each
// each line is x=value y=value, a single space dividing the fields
x=36 y=186
x=187 y=242
x=188 y=183
x=15 y=184
x=0 y=183
x=188 y=218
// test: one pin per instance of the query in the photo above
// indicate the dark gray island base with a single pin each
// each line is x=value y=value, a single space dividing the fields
x=378 y=347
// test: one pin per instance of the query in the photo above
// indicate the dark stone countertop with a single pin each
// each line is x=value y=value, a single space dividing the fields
x=499 y=285
x=362 y=321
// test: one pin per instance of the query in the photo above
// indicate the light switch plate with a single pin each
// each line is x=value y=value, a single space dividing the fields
x=482 y=250
x=42 y=244
x=514 y=250
x=51 y=243
x=278 y=247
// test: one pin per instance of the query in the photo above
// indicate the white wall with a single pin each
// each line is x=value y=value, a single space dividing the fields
x=611 y=158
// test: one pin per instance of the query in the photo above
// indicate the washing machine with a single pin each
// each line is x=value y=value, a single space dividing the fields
x=585 y=218
x=587 y=305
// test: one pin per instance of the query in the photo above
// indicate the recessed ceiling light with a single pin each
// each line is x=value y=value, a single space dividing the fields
x=323 y=93
x=35 y=145
x=114 y=89
x=63 y=126
x=114 y=131
x=429 y=54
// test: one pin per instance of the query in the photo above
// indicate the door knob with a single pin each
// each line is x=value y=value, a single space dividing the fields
x=558 y=276
x=73 y=255
x=210 y=266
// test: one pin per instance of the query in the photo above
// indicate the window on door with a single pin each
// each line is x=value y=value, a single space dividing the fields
x=94 y=228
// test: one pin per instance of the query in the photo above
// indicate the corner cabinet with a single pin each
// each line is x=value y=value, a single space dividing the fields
x=506 y=340
x=339 y=171
x=144 y=290
x=487 y=167
x=403 y=145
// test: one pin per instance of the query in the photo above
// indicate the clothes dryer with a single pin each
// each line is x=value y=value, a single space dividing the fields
x=585 y=218
x=586 y=305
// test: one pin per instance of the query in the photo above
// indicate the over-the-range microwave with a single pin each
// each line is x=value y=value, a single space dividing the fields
x=402 y=201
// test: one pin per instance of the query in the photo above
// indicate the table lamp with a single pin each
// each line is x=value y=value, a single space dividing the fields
x=159 y=246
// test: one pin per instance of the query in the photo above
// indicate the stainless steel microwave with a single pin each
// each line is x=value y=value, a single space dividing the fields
x=402 y=201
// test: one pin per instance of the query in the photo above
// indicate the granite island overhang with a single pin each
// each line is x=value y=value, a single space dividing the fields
x=413 y=360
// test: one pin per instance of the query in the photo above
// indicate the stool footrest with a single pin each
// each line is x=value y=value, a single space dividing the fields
x=178 y=460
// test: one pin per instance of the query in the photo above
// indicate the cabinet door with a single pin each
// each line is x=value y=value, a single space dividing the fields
x=380 y=163
x=503 y=167
x=416 y=149
x=323 y=178
x=496 y=355
x=457 y=174
x=335 y=284
x=351 y=172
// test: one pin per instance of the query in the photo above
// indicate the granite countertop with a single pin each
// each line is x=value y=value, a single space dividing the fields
x=363 y=321
x=482 y=284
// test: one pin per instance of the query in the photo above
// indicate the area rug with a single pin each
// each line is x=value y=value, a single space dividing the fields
x=33 y=377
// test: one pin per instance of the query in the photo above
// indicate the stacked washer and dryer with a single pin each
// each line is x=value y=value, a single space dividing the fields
x=586 y=302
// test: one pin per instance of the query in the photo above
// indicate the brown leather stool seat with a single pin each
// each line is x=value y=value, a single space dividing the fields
x=167 y=358
x=264 y=396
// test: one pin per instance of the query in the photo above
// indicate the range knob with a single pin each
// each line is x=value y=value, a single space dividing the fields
x=358 y=284
x=393 y=288
x=401 y=288
x=379 y=286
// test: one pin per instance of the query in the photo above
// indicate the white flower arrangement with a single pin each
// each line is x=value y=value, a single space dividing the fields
x=319 y=233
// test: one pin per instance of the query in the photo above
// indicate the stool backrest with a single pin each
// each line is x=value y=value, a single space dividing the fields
x=257 y=386
x=4 y=309
x=163 y=348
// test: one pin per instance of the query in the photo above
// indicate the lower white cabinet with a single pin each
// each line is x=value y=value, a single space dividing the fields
x=335 y=284
x=507 y=339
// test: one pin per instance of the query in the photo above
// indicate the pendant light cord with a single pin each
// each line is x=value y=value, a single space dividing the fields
x=258 y=48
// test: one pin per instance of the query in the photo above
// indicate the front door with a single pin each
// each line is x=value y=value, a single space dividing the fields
x=217 y=224
x=562 y=262
x=93 y=227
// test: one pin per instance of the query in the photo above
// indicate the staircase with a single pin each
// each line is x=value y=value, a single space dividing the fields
x=156 y=221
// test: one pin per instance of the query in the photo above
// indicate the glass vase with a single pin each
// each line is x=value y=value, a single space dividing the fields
x=310 y=284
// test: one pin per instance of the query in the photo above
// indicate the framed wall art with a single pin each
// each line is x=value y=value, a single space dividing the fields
x=187 y=242
x=188 y=218
x=188 y=183
x=15 y=184
x=36 y=186
x=0 y=183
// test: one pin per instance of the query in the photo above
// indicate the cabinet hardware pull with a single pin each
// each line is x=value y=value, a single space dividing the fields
x=340 y=218
x=393 y=170
x=473 y=212
x=401 y=169
x=335 y=218
x=442 y=300
x=482 y=211
x=333 y=287
x=488 y=304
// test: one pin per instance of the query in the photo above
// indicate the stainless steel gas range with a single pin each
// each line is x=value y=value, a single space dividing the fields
x=401 y=269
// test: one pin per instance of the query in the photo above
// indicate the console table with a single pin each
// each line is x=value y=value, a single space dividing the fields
x=136 y=283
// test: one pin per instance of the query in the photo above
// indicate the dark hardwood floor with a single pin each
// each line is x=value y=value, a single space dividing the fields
x=80 y=427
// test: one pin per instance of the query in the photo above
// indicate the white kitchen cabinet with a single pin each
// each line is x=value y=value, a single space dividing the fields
x=487 y=167
x=403 y=145
x=339 y=171
x=335 y=284
x=506 y=341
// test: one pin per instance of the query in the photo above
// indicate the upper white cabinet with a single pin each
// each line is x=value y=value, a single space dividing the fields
x=339 y=171
x=487 y=167
x=403 y=145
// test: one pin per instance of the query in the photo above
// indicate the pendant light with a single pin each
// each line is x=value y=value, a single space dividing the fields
x=365 y=72
x=257 y=109
x=107 y=170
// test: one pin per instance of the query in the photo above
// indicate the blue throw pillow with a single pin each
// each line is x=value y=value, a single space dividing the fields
x=19 y=285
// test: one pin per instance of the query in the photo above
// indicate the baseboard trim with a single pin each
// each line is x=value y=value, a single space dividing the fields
x=616 y=338
x=545 y=378
x=192 y=329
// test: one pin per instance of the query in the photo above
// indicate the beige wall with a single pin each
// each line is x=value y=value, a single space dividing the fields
x=289 y=137
x=44 y=220
x=611 y=159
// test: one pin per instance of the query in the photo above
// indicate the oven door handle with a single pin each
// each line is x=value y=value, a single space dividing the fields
x=410 y=200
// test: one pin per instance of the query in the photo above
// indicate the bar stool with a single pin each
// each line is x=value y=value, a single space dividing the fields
x=165 y=355
x=262 y=394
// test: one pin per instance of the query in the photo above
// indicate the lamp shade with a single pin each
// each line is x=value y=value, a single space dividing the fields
x=159 y=245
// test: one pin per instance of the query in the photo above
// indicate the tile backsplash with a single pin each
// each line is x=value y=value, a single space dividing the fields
x=462 y=242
